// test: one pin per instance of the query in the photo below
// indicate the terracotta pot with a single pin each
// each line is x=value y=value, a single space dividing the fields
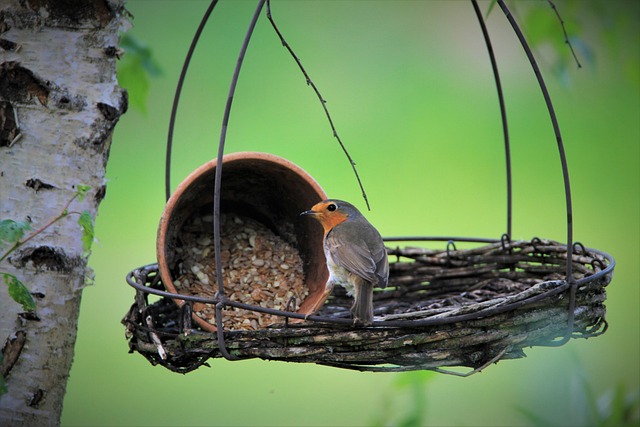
x=264 y=187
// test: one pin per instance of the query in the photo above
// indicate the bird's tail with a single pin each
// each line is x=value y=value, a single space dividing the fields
x=362 y=309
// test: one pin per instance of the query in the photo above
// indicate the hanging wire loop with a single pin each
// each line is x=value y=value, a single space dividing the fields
x=503 y=113
x=561 y=151
x=448 y=307
x=176 y=98
x=218 y=177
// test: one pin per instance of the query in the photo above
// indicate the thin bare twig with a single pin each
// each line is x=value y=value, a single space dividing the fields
x=495 y=359
x=322 y=100
x=564 y=31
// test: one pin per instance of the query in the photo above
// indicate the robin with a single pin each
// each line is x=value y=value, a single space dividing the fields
x=355 y=252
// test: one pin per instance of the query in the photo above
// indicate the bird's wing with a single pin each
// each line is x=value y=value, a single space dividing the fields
x=382 y=266
x=353 y=253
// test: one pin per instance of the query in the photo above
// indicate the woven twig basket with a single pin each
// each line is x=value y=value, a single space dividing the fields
x=443 y=308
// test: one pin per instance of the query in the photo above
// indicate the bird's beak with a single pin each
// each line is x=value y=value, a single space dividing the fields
x=309 y=212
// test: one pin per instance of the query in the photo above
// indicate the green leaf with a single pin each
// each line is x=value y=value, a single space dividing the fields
x=619 y=407
x=614 y=416
x=416 y=382
x=82 y=190
x=12 y=231
x=19 y=292
x=413 y=419
x=86 y=222
x=413 y=378
x=133 y=78
x=491 y=6
x=135 y=69
x=133 y=47
x=590 y=398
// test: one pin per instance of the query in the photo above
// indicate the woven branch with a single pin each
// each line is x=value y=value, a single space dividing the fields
x=463 y=308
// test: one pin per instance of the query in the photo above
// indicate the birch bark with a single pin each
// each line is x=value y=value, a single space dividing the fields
x=59 y=102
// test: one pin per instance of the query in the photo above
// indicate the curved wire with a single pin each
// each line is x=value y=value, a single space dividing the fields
x=503 y=112
x=561 y=151
x=570 y=282
x=218 y=178
x=223 y=137
x=176 y=98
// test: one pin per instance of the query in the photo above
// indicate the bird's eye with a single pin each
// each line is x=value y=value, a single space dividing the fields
x=332 y=207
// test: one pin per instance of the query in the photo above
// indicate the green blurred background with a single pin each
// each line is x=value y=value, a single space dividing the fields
x=410 y=89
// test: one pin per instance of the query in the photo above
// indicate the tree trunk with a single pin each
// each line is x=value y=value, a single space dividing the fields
x=59 y=102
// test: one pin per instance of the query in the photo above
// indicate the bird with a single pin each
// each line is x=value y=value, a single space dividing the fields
x=355 y=253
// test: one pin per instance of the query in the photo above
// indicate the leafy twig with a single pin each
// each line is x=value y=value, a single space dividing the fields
x=79 y=194
x=490 y=8
x=12 y=231
x=19 y=243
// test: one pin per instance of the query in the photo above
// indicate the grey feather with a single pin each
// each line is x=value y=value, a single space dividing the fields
x=368 y=262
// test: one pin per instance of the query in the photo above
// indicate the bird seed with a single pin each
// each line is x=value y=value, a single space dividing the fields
x=259 y=268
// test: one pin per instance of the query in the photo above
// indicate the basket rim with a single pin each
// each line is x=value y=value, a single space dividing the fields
x=554 y=287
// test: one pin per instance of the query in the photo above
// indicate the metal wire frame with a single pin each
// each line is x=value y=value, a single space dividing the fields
x=503 y=113
x=221 y=301
x=176 y=98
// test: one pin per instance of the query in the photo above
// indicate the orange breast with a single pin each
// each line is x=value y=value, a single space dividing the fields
x=330 y=220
